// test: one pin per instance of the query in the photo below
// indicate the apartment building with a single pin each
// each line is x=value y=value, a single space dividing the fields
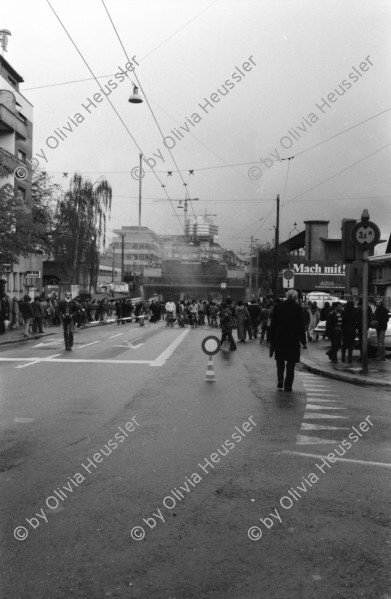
x=16 y=144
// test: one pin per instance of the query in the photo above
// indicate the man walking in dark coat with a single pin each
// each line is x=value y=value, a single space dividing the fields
x=227 y=323
x=255 y=314
x=287 y=331
x=27 y=312
x=67 y=310
x=334 y=331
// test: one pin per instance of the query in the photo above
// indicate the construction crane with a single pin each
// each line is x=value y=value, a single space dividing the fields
x=185 y=208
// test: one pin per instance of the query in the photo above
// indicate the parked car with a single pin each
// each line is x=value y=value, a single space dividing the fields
x=372 y=337
x=320 y=329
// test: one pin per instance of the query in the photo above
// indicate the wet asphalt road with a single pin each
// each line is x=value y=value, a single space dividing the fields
x=130 y=476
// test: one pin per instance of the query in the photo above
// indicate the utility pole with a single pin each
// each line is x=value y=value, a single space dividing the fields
x=256 y=276
x=112 y=263
x=139 y=191
x=276 y=243
x=251 y=267
x=364 y=330
x=122 y=257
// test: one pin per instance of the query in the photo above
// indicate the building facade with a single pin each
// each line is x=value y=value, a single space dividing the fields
x=322 y=267
x=16 y=144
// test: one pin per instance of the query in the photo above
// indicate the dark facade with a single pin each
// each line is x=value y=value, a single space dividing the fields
x=322 y=267
x=194 y=280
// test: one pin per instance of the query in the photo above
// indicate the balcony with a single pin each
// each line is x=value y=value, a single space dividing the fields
x=12 y=122
x=9 y=161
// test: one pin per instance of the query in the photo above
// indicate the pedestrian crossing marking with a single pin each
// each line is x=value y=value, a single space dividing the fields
x=315 y=407
x=303 y=440
x=319 y=400
x=311 y=416
x=307 y=426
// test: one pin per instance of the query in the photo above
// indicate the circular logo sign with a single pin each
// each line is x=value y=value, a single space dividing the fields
x=223 y=285
x=21 y=173
x=211 y=345
x=365 y=235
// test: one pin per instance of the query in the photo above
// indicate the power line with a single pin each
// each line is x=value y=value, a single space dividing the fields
x=108 y=99
x=147 y=101
x=141 y=59
x=206 y=168
x=340 y=172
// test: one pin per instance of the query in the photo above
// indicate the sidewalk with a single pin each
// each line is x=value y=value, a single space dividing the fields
x=315 y=360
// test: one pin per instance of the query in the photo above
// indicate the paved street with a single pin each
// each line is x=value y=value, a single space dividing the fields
x=126 y=474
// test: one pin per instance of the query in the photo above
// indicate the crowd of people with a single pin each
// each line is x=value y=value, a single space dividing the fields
x=252 y=320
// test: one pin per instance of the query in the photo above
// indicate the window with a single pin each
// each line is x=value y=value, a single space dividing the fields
x=380 y=272
x=23 y=118
x=22 y=156
x=21 y=194
x=12 y=82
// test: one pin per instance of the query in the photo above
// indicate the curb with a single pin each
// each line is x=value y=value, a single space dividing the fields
x=342 y=376
x=91 y=325
x=25 y=339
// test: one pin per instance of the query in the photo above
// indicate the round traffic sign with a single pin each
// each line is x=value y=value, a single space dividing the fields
x=288 y=274
x=223 y=285
x=365 y=235
x=211 y=345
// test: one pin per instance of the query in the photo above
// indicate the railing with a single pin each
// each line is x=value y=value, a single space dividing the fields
x=8 y=160
x=12 y=121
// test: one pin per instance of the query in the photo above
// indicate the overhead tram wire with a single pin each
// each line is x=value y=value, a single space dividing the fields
x=340 y=172
x=112 y=105
x=149 y=106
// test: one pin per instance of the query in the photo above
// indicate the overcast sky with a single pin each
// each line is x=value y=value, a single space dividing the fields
x=298 y=51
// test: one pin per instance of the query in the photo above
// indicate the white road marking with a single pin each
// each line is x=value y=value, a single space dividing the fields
x=364 y=462
x=320 y=400
x=317 y=387
x=116 y=335
x=302 y=440
x=310 y=416
x=87 y=344
x=321 y=393
x=129 y=345
x=74 y=361
x=314 y=407
x=38 y=360
x=47 y=343
x=307 y=426
x=167 y=353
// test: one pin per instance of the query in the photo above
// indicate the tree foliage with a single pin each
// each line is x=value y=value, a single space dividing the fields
x=15 y=226
x=26 y=228
x=44 y=197
x=266 y=256
x=80 y=228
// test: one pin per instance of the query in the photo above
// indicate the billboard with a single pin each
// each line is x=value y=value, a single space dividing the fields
x=320 y=276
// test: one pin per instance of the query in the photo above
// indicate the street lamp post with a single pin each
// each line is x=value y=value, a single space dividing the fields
x=139 y=191
x=276 y=242
x=251 y=267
